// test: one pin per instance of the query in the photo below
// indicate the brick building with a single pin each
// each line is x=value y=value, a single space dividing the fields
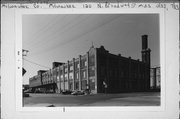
x=155 y=78
x=99 y=71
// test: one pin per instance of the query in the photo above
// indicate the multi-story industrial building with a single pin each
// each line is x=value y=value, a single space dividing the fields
x=98 y=71
x=155 y=78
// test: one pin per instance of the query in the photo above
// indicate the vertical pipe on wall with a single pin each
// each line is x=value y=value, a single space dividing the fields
x=95 y=69
x=63 y=78
x=68 y=87
x=73 y=73
x=87 y=57
x=80 y=72
x=59 y=79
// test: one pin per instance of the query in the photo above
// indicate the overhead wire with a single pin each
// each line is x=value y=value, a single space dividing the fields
x=36 y=63
x=85 y=33
x=76 y=38
x=35 y=37
x=66 y=27
x=49 y=25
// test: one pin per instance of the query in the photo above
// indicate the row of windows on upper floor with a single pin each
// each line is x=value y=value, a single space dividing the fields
x=65 y=76
x=71 y=76
x=65 y=70
x=77 y=66
x=61 y=78
x=70 y=68
x=57 y=71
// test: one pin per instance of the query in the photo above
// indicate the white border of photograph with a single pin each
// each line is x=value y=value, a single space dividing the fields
x=11 y=86
x=18 y=92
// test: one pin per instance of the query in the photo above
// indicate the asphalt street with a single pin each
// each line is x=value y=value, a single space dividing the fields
x=123 y=99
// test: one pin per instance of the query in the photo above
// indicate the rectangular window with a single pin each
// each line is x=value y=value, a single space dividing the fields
x=91 y=60
x=77 y=65
x=84 y=84
x=66 y=76
x=92 y=84
x=91 y=71
x=61 y=71
x=66 y=69
x=54 y=75
x=70 y=85
x=71 y=75
x=76 y=85
x=71 y=68
x=77 y=75
x=84 y=74
x=85 y=63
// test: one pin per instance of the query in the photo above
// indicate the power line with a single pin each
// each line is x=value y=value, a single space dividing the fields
x=78 y=36
x=44 y=29
x=66 y=27
x=36 y=63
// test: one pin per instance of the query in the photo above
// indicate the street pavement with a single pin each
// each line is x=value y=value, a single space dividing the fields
x=123 y=99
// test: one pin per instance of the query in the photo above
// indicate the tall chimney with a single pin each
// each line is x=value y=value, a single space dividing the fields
x=144 y=42
x=145 y=50
x=146 y=58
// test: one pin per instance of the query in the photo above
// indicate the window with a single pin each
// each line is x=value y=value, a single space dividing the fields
x=61 y=76
x=84 y=74
x=76 y=85
x=71 y=68
x=71 y=75
x=85 y=63
x=77 y=75
x=66 y=69
x=66 y=76
x=57 y=78
x=54 y=74
x=61 y=71
x=91 y=60
x=91 y=71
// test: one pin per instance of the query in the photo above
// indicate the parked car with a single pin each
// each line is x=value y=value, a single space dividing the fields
x=49 y=91
x=25 y=94
x=28 y=91
x=38 y=91
x=66 y=92
x=87 y=91
x=78 y=93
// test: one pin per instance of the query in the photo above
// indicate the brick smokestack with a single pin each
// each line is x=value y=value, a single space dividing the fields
x=146 y=58
x=145 y=50
x=144 y=42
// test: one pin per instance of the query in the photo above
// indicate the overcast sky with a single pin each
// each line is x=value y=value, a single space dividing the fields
x=60 y=38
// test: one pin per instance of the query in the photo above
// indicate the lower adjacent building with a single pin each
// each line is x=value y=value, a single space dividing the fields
x=98 y=71
x=155 y=78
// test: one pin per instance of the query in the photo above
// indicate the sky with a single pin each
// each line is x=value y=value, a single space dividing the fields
x=62 y=37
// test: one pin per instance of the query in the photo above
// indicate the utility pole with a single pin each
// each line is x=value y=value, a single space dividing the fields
x=24 y=53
